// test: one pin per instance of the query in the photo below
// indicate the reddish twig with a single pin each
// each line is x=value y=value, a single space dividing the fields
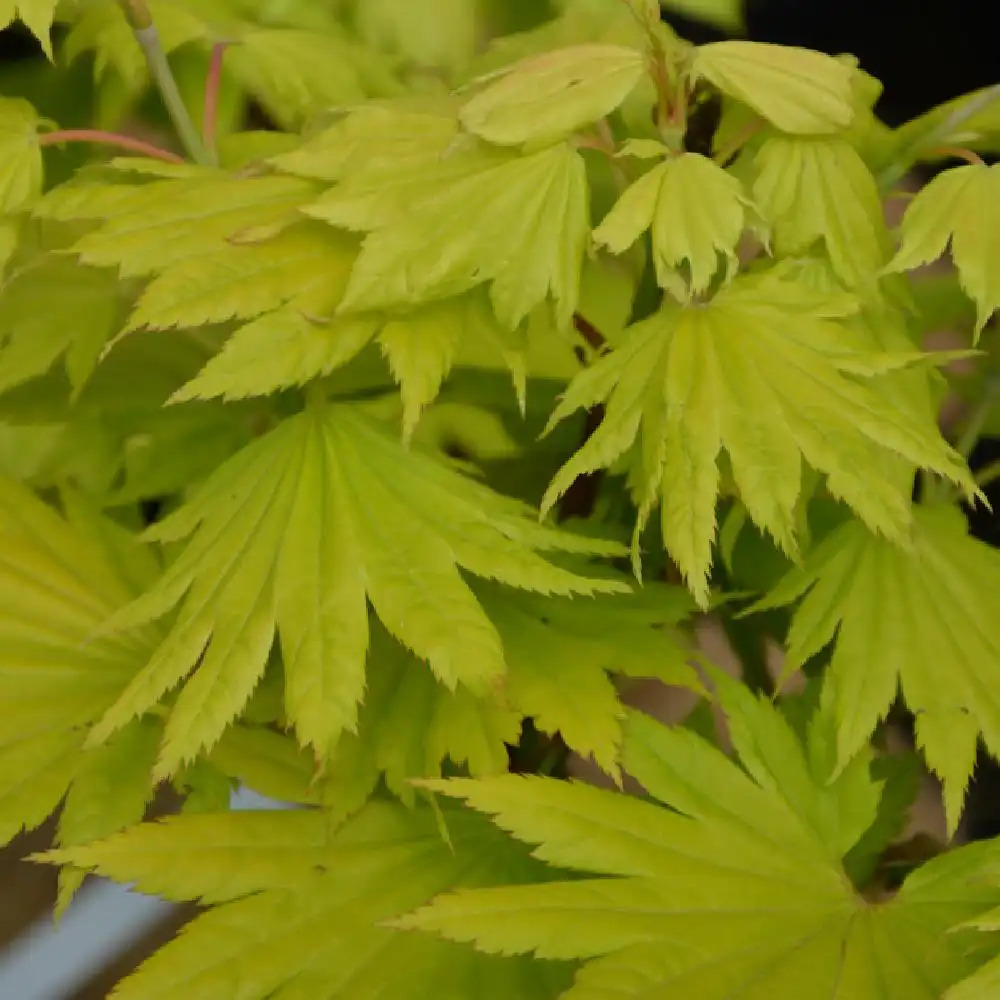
x=213 y=83
x=957 y=153
x=103 y=138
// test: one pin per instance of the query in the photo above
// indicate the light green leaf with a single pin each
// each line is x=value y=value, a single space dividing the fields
x=958 y=207
x=696 y=210
x=380 y=148
x=278 y=350
x=812 y=189
x=761 y=372
x=101 y=29
x=145 y=228
x=303 y=911
x=20 y=153
x=58 y=582
x=728 y=892
x=547 y=97
x=408 y=725
x=561 y=651
x=112 y=786
x=296 y=73
x=420 y=349
x=305 y=268
x=427 y=34
x=56 y=307
x=531 y=217
x=296 y=533
x=269 y=762
x=797 y=90
x=914 y=617
x=36 y=15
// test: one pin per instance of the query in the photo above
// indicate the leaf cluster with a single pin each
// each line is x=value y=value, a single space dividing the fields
x=383 y=456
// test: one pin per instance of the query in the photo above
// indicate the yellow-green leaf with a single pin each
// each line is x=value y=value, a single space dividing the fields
x=767 y=372
x=528 y=242
x=546 y=97
x=296 y=534
x=960 y=206
x=797 y=90
x=20 y=154
x=819 y=189
x=303 y=912
x=58 y=582
x=918 y=617
x=36 y=15
x=735 y=889
x=697 y=212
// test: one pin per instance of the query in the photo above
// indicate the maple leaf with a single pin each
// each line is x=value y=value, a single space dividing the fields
x=102 y=30
x=758 y=371
x=814 y=188
x=143 y=228
x=289 y=346
x=956 y=208
x=408 y=725
x=735 y=889
x=304 y=268
x=696 y=210
x=428 y=34
x=300 y=911
x=20 y=154
x=297 y=532
x=559 y=653
x=59 y=580
x=36 y=15
x=547 y=97
x=797 y=90
x=384 y=147
x=56 y=307
x=532 y=215
x=912 y=617
x=297 y=72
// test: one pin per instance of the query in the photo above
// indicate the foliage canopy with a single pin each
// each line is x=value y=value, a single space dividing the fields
x=329 y=458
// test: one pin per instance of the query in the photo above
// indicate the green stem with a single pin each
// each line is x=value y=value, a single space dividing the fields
x=141 y=21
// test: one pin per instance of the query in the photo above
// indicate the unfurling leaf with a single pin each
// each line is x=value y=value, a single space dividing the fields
x=697 y=212
x=960 y=206
x=819 y=189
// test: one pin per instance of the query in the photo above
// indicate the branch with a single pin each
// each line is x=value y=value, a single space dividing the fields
x=100 y=137
x=213 y=82
x=141 y=21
